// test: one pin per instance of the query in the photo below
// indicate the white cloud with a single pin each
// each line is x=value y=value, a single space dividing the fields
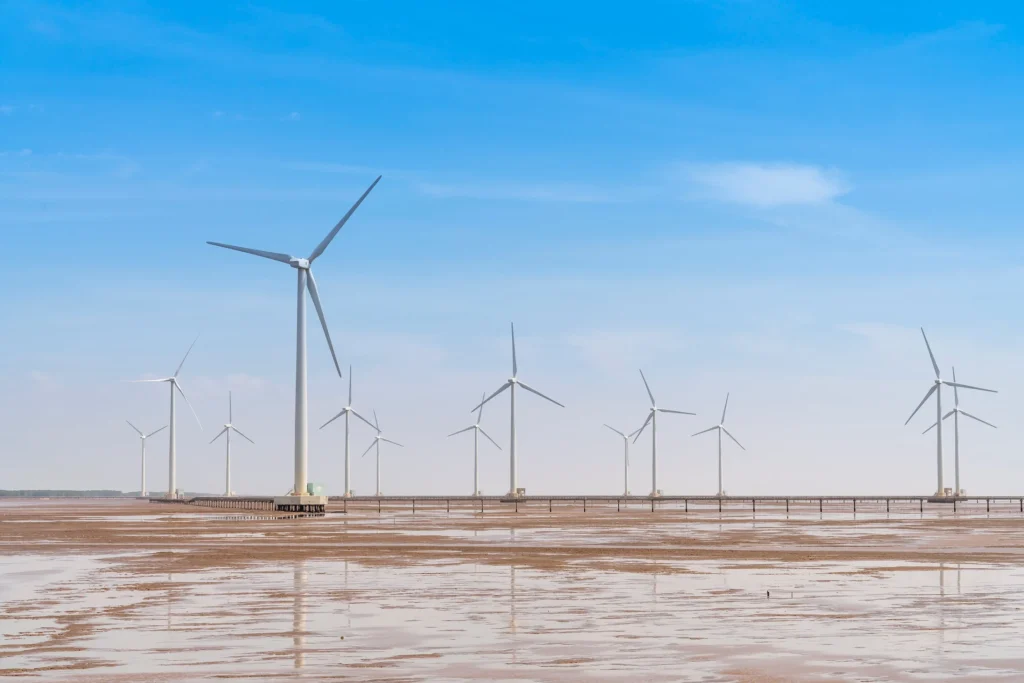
x=764 y=185
x=294 y=116
x=518 y=192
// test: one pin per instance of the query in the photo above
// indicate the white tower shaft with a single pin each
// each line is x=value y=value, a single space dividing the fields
x=142 y=489
x=171 y=464
x=513 y=465
x=348 y=468
x=301 y=419
x=227 y=465
x=654 y=453
x=476 y=467
x=938 y=437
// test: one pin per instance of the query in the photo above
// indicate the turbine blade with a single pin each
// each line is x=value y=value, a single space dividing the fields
x=182 y=392
x=616 y=431
x=136 y=381
x=503 y=388
x=237 y=431
x=350 y=385
x=489 y=438
x=531 y=389
x=634 y=432
x=376 y=422
x=949 y=413
x=926 y=397
x=186 y=356
x=333 y=418
x=968 y=386
x=363 y=418
x=273 y=256
x=643 y=426
x=218 y=434
x=369 y=449
x=934 y=425
x=515 y=368
x=467 y=429
x=135 y=428
x=956 y=394
x=648 y=387
x=156 y=432
x=963 y=412
x=344 y=219
x=705 y=431
x=231 y=414
x=930 y=354
x=733 y=438
x=674 y=412
x=393 y=443
x=480 y=410
x=311 y=286
x=725 y=408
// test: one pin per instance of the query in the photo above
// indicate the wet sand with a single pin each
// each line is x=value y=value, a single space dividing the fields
x=131 y=591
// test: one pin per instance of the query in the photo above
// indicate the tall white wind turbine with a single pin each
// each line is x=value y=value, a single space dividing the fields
x=142 y=438
x=652 y=419
x=477 y=431
x=172 y=464
x=511 y=384
x=306 y=281
x=376 y=444
x=956 y=413
x=936 y=389
x=625 y=467
x=348 y=409
x=229 y=427
x=720 y=427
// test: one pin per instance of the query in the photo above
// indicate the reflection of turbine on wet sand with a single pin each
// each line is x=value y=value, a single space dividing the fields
x=299 y=614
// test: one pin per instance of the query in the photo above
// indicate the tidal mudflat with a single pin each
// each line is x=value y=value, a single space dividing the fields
x=132 y=591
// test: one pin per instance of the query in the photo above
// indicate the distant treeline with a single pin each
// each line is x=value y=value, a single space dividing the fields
x=42 y=493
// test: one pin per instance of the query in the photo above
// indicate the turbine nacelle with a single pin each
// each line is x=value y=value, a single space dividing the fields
x=299 y=263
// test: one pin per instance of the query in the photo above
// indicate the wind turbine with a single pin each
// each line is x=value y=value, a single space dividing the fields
x=305 y=281
x=652 y=418
x=477 y=431
x=956 y=413
x=175 y=383
x=936 y=389
x=228 y=428
x=721 y=428
x=625 y=469
x=512 y=382
x=345 y=411
x=142 y=438
x=376 y=442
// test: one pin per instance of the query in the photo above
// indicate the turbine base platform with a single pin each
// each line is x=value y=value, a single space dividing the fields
x=316 y=504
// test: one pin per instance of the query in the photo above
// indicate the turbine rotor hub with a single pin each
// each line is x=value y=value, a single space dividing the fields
x=300 y=263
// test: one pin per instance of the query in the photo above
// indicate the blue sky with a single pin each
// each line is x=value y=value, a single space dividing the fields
x=763 y=198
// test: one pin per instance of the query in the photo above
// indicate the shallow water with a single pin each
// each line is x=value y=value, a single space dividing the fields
x=93 y=613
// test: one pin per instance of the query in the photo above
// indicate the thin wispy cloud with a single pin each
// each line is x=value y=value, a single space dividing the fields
x=763 y=185
x=579 y=194
x=293 y=116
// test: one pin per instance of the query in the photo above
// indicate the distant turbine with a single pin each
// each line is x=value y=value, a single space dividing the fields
x=172 y=472
x=625 y=469
x=142 y=438
x=477 y=431
x=376 y=443
x=956 y=413
x=228 y=428
x=937 y=390
x=512 y=383
x=721 y=428
x=306 y=281
x=652 y=418
x=345 y=411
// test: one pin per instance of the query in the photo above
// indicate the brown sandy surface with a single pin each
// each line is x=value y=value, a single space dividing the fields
x=105 y=590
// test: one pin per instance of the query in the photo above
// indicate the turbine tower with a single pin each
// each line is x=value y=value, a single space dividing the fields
x=305 y=281
x=956 y=413
x=376 y=443
x=228 y=428
x=172 y=464
x=721 y=428
x=477 y=431
x=346 y=411
x=625 y=468
x=513 y=486
x=652 y=419
x=936 y=389
x=142 y=438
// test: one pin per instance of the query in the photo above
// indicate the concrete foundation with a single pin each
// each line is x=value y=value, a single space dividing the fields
x=300 y=504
